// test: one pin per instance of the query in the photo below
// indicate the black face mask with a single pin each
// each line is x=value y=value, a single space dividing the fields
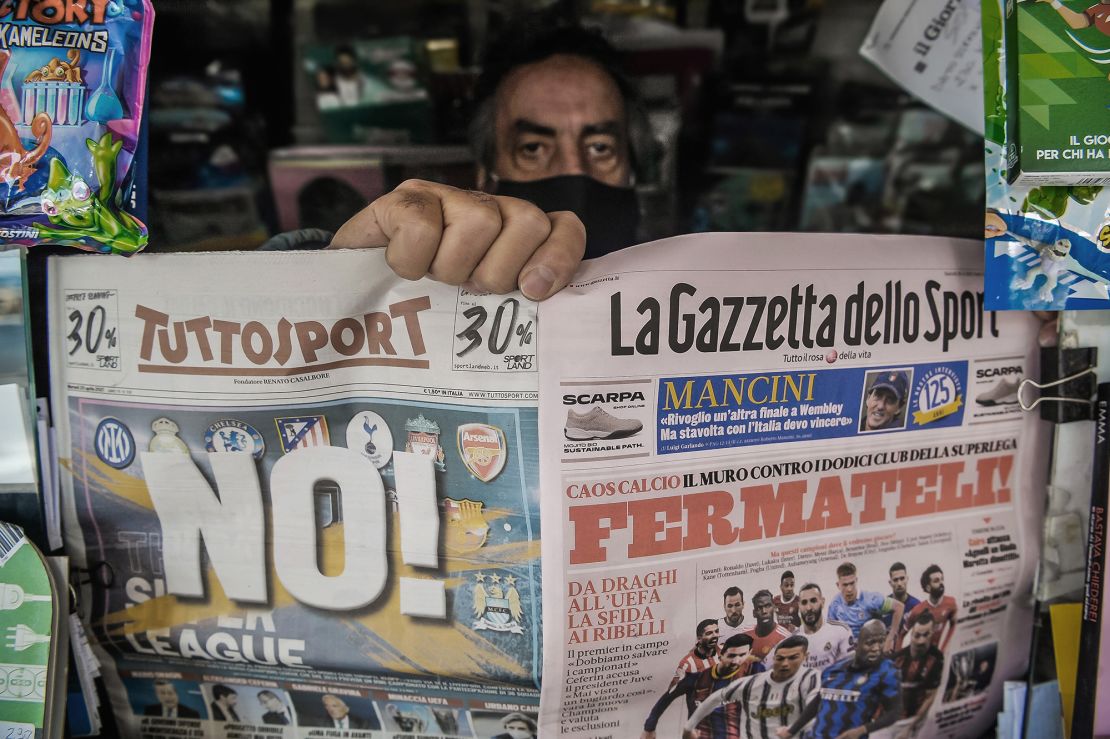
x=610 y=214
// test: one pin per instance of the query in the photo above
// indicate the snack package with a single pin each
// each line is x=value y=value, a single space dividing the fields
x=72 y=82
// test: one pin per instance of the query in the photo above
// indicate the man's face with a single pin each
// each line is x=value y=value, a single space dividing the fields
x=346 y=65
x=936 y=584
x=230 y=699
x=518 y=726
x=734 y=657
x=847 y=586
x=810 y=607
x=920 y=637
x=166 y=695
x=560 y=116
x=734 y=609
x=870 y=646
x=708 y=639
x=898 y=583
x=787 y=588
x=882 y=407
x=335 y=707
x=270 y=702
x=786 y=662
x=762 y=609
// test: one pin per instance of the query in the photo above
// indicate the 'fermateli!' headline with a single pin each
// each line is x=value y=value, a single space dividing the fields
x=718 y=509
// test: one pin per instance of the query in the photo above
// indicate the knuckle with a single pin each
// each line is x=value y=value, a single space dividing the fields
x=490 y=280
x=401 y=266
x=534 y=220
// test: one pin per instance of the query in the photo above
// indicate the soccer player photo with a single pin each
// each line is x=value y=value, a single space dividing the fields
x=884 y=400
x=971 y=672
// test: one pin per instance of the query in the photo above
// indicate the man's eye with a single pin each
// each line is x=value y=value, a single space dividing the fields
x=531 y=148
x=599 y=149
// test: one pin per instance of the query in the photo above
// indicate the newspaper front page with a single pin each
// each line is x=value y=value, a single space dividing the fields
x=788 y=490
x=302 y=495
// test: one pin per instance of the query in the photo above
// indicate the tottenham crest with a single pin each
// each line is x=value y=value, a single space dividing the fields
x=497 y=604
x=369 y=434
x=483 y=450
x=467 y=529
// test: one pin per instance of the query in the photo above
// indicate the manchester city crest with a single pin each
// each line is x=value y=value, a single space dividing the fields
x=368 y=434
x=483 y=449
x=497 y=604
x=424 y=439
x=229 y=435
x=467 y=529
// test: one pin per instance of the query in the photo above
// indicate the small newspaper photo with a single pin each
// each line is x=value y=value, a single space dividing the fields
x=301 y=495
x=787 y=491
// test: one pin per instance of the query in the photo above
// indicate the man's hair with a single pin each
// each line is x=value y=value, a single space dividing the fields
x=270 y=693
x=897 y=566
x=345 y=50
x=162 y=681
x=785 y=575
x=845 y=570
x=703 y=625
x=794 y=640
x=737 y=640
x=811 y=586
x=221 y=691
x=533 y=38
x=522 y=718
x=734 y=591
x=763 y=594
x=927 y=574
x=925 y=617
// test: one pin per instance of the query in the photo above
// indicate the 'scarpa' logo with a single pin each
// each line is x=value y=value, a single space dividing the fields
x=592 y=398
x=115 y=446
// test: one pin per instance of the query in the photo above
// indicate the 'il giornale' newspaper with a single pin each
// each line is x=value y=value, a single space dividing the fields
x=787 y=490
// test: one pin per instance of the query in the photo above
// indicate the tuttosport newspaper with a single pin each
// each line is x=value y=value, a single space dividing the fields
x=787 y=485
x=301 y=494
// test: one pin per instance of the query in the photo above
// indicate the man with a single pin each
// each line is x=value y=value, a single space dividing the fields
x=884 y=402
x=1097 y=15
x=769 y=701
x=854 y=607
x=558 y=136
x=829 y=641
x=734 y=664
x=899 y=591
x=942 y=607
x=339 y=714
x=223 y=703
x=517 y=726
x=734 y=613
x=786 y=604
x=765 y=632
x=168 y=705
x=703 y=655
x=276 y=712
x=920 y=668
x=859 y=695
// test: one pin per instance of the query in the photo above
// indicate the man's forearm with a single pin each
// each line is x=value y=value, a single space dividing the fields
x=891 y=711
x=808 y=715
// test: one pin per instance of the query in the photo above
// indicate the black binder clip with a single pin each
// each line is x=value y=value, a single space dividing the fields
x=1068 y=385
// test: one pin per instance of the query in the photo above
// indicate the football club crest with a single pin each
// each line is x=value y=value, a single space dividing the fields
x=497 y=604
x=424 y=439
x=115 y=446
x=467 y=529
x=368 y=434
x=229 y=435
x=165 y=437
x=302 y=432
x=483 y=449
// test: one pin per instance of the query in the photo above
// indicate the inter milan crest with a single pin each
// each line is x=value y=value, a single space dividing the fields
x=368 y=434
x=229 y=435
x=467 y=529
x=497 y=604
x=302 y=432
x=424 y=439
x=483 y=449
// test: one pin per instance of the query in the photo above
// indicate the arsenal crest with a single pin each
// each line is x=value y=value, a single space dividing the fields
x=424 y=439
x=497 y=604
x=483 y=450
x=467 y=529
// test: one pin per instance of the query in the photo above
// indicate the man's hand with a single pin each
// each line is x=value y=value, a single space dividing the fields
x=689 y=734
x=651 y=735
x=783 y=732
x=492 y=243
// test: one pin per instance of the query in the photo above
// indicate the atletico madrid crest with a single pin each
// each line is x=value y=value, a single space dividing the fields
x=483 y=449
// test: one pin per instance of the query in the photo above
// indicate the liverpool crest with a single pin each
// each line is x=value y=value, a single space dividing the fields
x=497 y=604
x=467 y=529
x=483 y=450
x=424 y=439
